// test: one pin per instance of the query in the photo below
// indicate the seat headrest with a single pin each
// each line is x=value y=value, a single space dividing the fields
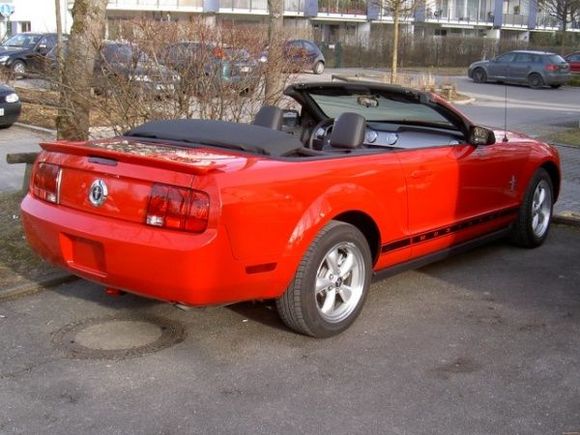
x=269 y=117
x=348 y=131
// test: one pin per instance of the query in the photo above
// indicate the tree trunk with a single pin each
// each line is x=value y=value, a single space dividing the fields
x=394 y=59
x=273 y=77
x=87 y=32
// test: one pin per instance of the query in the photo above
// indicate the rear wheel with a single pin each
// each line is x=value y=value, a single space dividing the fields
x=331 y=284
x=479 y=75
x=535 y=81
x=318 y=67
x=535 y=214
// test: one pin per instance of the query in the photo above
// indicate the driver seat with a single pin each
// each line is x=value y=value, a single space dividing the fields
x=348 y=132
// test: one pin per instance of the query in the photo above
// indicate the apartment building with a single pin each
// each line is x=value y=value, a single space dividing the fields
x=18 y=16
x=327 y=20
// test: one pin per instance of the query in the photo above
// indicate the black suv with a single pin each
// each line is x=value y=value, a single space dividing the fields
x=26 y=52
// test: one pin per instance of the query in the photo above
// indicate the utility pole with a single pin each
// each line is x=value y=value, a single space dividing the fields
x=58 y=11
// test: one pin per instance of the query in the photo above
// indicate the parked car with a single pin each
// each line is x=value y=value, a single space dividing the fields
x=302 y=55
x=574 y=60
x=26 y=52
x=121 y=62
x=200 y=212
x=213 y=66
x=534 y=68
x=9 y=106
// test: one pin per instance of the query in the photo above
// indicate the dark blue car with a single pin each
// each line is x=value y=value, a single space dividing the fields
x=9 y=106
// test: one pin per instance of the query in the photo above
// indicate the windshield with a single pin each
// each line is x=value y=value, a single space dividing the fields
x=377 y=107
x=23 y=41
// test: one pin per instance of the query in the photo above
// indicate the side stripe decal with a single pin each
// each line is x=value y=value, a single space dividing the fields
x=444 y=231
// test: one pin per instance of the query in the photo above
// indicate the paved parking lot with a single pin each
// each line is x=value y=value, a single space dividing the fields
x=485 y=343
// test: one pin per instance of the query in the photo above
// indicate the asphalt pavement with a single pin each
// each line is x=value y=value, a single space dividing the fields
x=484 y=343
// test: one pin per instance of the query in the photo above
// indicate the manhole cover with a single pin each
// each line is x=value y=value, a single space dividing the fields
x=117 y=337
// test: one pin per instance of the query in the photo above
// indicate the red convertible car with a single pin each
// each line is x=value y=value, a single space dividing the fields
x=303 y=206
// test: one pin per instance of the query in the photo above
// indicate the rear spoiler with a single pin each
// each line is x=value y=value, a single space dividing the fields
x=169 y=160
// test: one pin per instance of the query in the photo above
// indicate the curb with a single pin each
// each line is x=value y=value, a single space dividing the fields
x=36 y=286
x=35 y=128
x=567 y=218
x=462 y=102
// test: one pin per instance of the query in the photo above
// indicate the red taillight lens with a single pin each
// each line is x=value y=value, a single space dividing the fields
x=178 y=208
x=551 y=67
x=46 y=182
x=218 y=53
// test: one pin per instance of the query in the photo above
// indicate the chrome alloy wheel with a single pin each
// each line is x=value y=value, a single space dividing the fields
x=19 y=68
x=340 y=282
x=541 y=208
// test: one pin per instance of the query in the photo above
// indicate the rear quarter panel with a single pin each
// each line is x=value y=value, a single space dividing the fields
x=272 y=210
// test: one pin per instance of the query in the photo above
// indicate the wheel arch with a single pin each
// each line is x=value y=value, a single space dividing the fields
x=554 y=173
x=367 y=226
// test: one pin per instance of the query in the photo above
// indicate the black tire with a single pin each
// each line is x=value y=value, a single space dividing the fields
x=18 y=68
x=479 y=75
x=299 y=307
x=524 y=233
x=318 y=68
x=535 y=81
x=555 y=86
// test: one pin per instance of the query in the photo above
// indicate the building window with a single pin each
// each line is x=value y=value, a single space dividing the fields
x=25 y=26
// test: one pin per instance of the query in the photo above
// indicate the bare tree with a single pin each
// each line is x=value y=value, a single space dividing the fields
x=565 y=11
x=58 y=11
x=88 y=27
x=273 y=75
x=398 y=9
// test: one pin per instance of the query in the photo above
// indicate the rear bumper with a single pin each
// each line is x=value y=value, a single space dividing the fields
x=192 y=269
x=557 y=79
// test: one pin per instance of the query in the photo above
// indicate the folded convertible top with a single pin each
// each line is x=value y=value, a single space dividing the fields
x=245 y=137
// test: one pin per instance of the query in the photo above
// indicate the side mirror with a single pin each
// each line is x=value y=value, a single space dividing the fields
x=481 y=136
x=290 y=118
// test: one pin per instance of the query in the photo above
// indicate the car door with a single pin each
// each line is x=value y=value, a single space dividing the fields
x=498 y=67
x=458 y=192
x=37 y=56
x=520 y=68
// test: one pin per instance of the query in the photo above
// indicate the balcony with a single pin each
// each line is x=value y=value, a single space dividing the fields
x=342 y=8
x=293 y=7
x=515 y=20
x=547 y=21
x=156 y=5
x=244 y=6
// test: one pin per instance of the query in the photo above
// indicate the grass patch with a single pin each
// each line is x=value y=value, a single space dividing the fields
x=570 y=136
x=18 y=263
x=575 y=80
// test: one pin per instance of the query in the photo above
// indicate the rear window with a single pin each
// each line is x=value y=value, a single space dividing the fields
x=555 y=58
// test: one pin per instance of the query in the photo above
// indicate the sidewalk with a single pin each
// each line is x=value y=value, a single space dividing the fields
x=569 y=200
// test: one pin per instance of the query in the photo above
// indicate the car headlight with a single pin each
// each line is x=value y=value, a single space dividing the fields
x=11 y=98
x=3 y=59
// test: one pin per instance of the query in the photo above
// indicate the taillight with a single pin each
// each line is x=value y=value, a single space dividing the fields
x=178 y=208
x=551 y=67
x=46 y=182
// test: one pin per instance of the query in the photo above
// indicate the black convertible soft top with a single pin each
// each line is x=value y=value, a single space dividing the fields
x=244 y=137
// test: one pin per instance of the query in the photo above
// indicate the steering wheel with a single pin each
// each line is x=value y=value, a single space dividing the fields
x=324 y=124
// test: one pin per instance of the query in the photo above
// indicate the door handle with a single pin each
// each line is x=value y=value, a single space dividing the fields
x=421 y=173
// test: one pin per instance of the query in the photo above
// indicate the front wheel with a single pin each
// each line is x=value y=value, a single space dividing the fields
x=18 y=68
x=318 y=67
x=535 y=214
x=331 y=284
x=479 y=76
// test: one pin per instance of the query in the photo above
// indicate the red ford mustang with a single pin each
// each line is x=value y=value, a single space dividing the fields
x=302 y=206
